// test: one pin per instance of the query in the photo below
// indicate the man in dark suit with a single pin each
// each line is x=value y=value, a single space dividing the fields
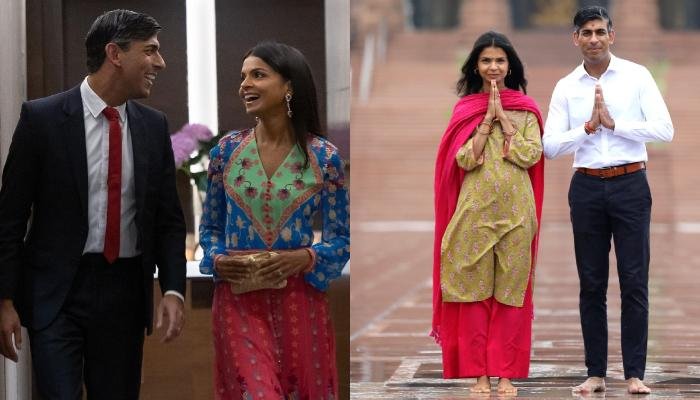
x=88 y=208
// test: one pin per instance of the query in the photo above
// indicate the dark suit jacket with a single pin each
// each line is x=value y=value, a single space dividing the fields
x=45 y=176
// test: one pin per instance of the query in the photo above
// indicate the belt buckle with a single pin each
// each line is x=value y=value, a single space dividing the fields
x=604 y=172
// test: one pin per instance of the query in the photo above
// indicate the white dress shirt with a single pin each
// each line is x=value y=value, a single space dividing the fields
x=634 y=103
x=97 y=146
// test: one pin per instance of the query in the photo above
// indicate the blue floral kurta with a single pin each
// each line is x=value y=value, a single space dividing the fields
x=244 y=210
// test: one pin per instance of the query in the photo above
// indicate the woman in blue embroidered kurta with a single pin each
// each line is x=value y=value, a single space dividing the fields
x=229 y=219
x=274 y=343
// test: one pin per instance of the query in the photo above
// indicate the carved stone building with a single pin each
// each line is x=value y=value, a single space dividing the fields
x=648 y=29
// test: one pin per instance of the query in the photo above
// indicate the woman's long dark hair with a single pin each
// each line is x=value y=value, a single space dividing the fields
x=471 y=82
x=291 y=64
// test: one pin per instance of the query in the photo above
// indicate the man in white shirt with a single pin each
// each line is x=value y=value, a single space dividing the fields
x=92 y=172
x=604 y=112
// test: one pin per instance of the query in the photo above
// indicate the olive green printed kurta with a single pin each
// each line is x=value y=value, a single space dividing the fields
x=486 y=248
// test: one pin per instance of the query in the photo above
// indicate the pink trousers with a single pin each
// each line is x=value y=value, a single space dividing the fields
x=273 y=344
x=486 y=338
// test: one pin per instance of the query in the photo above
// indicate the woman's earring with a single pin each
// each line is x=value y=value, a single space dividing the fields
x=510 y=71
x=475 y=71
x=257 y=120
x=288 y=97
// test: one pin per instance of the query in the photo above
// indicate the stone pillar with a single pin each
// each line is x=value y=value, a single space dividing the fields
x=479 y=16
x=637 y=30
x=15 y=379
x=366 y=17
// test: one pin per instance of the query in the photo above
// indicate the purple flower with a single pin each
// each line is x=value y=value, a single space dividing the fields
x=299 y=184
x=186 y=141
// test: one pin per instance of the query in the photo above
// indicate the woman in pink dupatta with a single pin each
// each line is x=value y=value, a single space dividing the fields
x=488 y=202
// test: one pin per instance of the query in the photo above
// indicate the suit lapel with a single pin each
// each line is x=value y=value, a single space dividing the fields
x=74 y=126
x=139 y=147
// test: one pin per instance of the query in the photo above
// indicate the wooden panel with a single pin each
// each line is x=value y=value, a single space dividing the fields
x=45 y=47
x=241 y=24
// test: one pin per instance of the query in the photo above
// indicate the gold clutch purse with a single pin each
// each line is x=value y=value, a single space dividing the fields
x=254 y=281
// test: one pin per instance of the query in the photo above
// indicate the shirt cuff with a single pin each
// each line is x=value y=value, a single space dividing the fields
x=175 y=293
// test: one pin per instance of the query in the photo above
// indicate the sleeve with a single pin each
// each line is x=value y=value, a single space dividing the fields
x=525 y=147
x=465 y=155
x=333 y=252
x=560 y=138
x=212 y=228
x=20 y=175
x=657 y=125
x=170 y=225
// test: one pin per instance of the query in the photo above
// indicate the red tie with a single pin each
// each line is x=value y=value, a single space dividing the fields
x=114 y=185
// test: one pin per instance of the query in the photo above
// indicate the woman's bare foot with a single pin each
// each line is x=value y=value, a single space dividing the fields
x=591 y=385
x=482 y=385
x=506 y=387
x=636 y=386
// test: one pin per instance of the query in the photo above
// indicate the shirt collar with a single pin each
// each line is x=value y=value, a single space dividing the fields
x=95 y=104
x=614 y=65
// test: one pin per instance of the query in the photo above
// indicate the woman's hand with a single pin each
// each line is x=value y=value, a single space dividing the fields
x=491 y=113
x=285 y=264
x=232 y=268
x=498 y=107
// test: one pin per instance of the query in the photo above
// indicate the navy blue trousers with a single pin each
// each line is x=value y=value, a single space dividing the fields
x=97 y=337
x=601 y=209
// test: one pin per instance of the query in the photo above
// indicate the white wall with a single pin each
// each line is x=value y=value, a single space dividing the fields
x=201 y=64
x=15 y=379
x=338 y=61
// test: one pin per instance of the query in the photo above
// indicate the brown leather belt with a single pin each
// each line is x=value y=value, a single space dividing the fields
x=611 y=172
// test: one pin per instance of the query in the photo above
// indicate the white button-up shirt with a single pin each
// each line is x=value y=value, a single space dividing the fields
x=634 y=103
x=97 y=146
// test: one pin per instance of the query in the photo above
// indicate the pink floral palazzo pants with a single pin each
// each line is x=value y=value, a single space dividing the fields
x=273 y=344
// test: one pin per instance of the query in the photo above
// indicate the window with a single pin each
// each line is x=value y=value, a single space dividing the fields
x=548 y=14
x=679 y=14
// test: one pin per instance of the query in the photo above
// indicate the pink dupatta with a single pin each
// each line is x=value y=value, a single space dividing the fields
x=467 y=114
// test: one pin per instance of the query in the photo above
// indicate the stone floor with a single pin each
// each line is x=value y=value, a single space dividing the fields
x=392 y=357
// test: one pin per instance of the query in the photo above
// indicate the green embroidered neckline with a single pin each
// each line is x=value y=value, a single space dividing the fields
x=269 y=203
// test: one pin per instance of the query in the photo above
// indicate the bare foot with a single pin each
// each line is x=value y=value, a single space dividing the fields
x=591 y=385
x=506 y=387
x=482 y=385
x=636 y=386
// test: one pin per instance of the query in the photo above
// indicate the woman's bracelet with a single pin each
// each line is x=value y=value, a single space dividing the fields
x=489 y=124
x=312 y=263
x=511 y=133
